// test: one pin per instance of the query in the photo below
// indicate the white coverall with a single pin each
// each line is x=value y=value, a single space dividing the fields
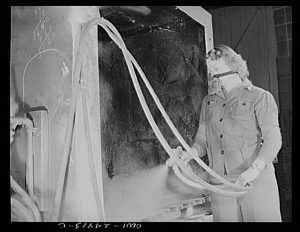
x=231 y=131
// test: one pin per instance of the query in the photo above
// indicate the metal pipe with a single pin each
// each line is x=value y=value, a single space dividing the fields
x=29 y=163
x=29 y=200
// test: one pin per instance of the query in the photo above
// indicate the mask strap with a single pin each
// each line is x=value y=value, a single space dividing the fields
x=224 y=74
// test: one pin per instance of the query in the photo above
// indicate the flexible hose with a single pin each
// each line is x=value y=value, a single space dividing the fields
x=127 y=55
x=179 y=137
x=200 y=183
x=26 y=199
x=166 y=116
x=203 y=184
x=156 y=130
x=20 y=210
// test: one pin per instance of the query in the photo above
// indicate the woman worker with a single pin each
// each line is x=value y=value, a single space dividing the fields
x=239 y=131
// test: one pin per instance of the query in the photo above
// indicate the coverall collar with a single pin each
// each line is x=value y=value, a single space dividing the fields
x=246 y=84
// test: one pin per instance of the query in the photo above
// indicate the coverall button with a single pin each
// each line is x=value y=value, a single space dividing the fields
x=221 y=119
x=221 y=136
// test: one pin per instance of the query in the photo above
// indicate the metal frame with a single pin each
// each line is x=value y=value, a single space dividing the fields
x=203 y=17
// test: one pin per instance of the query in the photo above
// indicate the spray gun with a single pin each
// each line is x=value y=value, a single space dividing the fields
x=183 y=156
x=179 y=162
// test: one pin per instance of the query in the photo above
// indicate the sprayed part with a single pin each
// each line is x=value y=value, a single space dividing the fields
x=111 y=66
x=173 y=61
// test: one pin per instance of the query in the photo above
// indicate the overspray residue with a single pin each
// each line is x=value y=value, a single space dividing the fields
x=144 y=194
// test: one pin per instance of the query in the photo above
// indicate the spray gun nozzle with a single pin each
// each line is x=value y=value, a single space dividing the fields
x=184 y=156
x=170 y=162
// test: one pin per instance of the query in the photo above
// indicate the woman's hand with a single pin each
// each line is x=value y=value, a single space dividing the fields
x=248 y=176
x=251 y=173
x=184 y=155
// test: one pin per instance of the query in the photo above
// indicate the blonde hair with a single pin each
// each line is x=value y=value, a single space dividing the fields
x=234 y=61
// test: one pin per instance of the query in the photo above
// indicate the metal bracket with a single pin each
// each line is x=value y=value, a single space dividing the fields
x=41 y=162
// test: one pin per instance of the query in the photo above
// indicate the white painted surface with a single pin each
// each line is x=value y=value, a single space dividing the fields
x=80 y=201
x=204 y=18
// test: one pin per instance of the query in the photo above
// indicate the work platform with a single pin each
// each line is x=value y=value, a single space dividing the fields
x=193 y=210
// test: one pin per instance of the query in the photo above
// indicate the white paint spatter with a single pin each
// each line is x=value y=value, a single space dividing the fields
x=64 y=69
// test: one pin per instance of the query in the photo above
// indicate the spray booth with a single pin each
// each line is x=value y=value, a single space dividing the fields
x=99 y=98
